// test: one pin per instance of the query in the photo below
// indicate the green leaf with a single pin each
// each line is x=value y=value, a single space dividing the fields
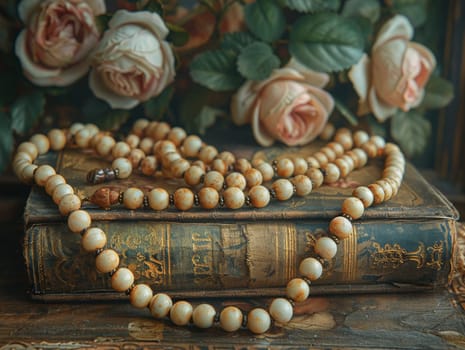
x=154 y=6
x=26 y=111
x=6 y=141
x=415 y=10
x=265 y=19
x=326 y=42
x=100 y=113
x=216 y=70
x=346 y=112
x=102 y=22
x=205 y=119
x=411 y=131
x=156 y=107
x=237 y=41
x=438 y=93
x=177 y=35
x=369 y=9
x=257 y=61
x=312 y=5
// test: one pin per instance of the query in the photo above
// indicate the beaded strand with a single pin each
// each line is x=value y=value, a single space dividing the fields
x=224 y=182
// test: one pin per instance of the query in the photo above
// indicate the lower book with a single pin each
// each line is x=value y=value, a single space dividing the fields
x=241 y=258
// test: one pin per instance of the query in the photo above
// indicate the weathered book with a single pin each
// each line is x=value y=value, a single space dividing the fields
x=403 y=245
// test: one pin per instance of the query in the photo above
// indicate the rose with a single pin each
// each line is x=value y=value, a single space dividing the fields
x=396 y=74
x=289 y=106
x=59 y=35
x=132 y=62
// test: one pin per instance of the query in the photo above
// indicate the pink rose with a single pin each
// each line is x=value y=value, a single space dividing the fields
x=396 y=74
x=132 y=62
x=59 y=35
x=289 y=106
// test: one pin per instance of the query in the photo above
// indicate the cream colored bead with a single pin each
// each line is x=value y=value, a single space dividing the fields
x=297 y=289
x=242 y=165
x=120 y=149
x=394 y=186
x=183 y=199
x=326 y=247
x=27 y=173
x=160 y=305
x=135 y=157
x=133 y=198
x=378 y=141
x=267 y=171
x=57 y=139
x=204 y=316
x=94 y=130
x=258 y=321
x=107 y=261
x=140 y=296
x=169 y=158
x=75 y=127
x=350 y=160
x=93 y=239
x=302 y=184
x=122 y=279
x=312 y=162
x=29 y=148
x=177 y=136
x=387 y=189
x=329 y=153
x=284 y=167
x=200 y=164
x=341 y=227
x=105 y=145
x=161 y=130
x=365 y=195
x=191 y=146
x=360 y=137
x=179 y=167
x=259 y=196
x=162 y=147
x=220 y=166
x=146 y=145
x=331 y=173
x=311 y=268
x=181 y=313
x=139 y=127
x=214 y=179
x=159 y=199
x=42 y=174
x=337 y=148
x=236 y=179
x=207 y=154
x=61 y=191
x=19 y=166
x=78 y=221
x=321 y=158
x=234 y=198
x=231 y=319
x=21 y=157
x=253 y=177
x=345 y=139
x=227 y=157
x=283 y=189
x=69 y=203
x=52 y=182
x=208 y=197
x=300 y=166
x=132 y=140
x=148 y=166
x=343 y=166
x=96 y=139
x=378 y=193
x=42 y=143
x=82 y=137
x=327 y=132
x=281 y=310
x=123 y=166
x=193 y=175
x=316 y=176
x=353 y=207
x=362 y=157
x=370 y=149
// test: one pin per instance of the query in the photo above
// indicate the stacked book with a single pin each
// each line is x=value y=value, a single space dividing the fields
x=406 y=244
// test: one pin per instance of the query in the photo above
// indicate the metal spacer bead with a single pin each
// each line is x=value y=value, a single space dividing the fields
x=116 y=170
x=323 y=171
x=202 y=178
x=112 y=272
x=171 y=199
x=292 y=302
x=230 y=167
x=98 y=251
x=335 y=239
x=221 y=201
x=196 y=200
x=347 y=216
x=216 y=319
x=272 y=193
x=244 y=319
x=128 y=291
x=307 y=281
x=146 y=202
x=121 y=197
x=294 y=189
x=321 y=260
x=248 y=201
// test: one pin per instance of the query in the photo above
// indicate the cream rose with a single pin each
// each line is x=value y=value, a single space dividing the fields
x=54 y=47
x=396 y=74
x=289 y=106
x=133 y=62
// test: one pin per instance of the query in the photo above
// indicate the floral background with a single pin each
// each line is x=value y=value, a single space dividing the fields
x=279 y=69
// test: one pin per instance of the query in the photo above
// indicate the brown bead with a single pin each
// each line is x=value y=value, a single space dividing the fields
x=227 y=157
x=148 y=165
x=177 y=136
x=139 y=127
x=105 y=197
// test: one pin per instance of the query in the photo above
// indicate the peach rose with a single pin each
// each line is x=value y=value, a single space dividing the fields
x=133 y=62
x=289 y=106
x=396 y=74
x=54 y=47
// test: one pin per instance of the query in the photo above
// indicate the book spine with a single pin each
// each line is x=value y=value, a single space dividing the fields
x=244 y=259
